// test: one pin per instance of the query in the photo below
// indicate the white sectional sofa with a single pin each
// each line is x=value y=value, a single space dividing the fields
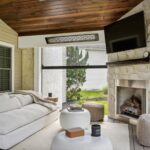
x=20 y=117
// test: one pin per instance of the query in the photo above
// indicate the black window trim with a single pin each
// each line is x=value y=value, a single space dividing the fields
x=75 y=67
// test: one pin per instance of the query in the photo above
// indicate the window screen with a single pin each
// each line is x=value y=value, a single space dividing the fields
x=5 y=68
x=74 y=56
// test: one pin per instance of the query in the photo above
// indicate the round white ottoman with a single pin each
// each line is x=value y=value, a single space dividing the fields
x=86 y=142
x=75 y=119
x=143 y=130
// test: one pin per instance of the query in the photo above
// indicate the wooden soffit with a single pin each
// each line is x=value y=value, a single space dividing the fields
x=32 y=17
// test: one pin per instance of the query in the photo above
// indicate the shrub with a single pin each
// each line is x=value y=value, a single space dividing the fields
x=105 y=90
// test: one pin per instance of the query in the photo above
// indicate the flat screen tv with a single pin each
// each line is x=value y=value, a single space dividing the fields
x=126 y=34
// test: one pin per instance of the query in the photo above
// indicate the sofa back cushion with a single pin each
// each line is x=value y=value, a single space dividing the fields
x=8 y=103
x=24 y=99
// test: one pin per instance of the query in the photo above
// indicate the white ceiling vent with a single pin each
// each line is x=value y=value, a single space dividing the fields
x=73 y=38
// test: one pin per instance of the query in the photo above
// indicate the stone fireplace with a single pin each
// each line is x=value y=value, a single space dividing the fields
x=129 y=83
x=126 y=82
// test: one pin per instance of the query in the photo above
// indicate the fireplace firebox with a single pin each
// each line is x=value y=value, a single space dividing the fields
x=132 y=107
x=131 y=98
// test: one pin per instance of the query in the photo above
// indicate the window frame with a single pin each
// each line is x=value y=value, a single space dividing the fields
x=12 y=64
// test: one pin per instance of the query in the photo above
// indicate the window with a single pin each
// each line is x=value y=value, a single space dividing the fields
x=61 y=66
x=5 y=68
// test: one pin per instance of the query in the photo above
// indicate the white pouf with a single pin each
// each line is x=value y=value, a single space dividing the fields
x=75 y=119
x=86 y=142
x=143 y=130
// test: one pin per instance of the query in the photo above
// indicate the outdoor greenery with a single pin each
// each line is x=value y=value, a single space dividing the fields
x=92 y=94
x=75 y=77
x=105 y=90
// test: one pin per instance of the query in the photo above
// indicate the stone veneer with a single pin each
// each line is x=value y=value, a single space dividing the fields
x=129 y=71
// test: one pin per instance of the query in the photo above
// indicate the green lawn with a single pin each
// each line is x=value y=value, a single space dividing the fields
x=95 y=94
x=91 y=94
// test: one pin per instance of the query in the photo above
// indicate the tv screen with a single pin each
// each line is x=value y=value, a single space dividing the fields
x=126 y=34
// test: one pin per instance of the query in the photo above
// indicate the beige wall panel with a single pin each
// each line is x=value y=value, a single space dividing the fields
x=27 y=69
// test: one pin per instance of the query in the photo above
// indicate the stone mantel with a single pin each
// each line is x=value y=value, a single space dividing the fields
x=130 y=62
x=128 y=55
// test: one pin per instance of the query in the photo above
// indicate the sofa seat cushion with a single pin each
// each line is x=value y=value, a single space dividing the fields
x=14 y=119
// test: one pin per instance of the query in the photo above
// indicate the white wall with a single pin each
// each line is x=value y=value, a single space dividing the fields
x=39 y=40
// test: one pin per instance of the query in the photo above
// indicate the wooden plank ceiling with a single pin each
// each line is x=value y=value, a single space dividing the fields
x=31 y=17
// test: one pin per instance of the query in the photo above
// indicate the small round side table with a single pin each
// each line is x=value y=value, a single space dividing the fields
x=69 y=119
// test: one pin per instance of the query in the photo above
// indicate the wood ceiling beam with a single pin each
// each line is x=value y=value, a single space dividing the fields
x=56 y=31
